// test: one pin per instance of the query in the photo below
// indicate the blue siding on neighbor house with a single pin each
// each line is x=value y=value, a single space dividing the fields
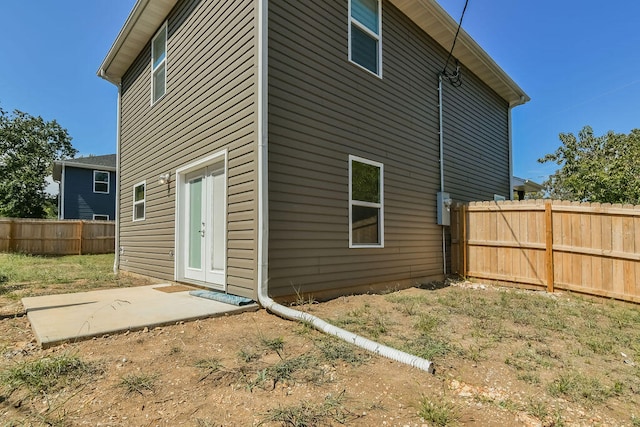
x=80 y=202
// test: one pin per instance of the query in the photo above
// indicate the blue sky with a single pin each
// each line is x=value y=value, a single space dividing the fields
x=579 y=61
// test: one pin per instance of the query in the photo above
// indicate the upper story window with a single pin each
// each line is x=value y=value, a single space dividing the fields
x=366 y=203
x=159 y=64
x=101 y=182
x=139 y=197
x=365 y=34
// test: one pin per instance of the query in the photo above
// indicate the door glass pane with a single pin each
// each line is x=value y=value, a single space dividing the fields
x=195 y=224
x=217 y=226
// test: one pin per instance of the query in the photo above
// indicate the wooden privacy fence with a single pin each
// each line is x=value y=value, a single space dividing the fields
x=56 y=237
x=591 y=248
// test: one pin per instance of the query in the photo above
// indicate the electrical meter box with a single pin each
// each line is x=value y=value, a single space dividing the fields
x=444 y=208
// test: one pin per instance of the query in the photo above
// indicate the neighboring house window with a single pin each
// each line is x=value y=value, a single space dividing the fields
x=139 y=193
x=159 y=64
x=101 y=182
x=366 y=203
x=101 y=217
x=365 y=34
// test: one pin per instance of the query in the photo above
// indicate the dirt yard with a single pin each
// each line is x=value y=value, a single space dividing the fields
x=503 y=358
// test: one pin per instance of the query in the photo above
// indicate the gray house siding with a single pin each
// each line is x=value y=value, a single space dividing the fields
x=476 y=134
x=209 y=105
x=322 y=108
x=80 y=201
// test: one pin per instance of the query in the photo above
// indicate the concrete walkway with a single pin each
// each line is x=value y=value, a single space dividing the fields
x=70 y=317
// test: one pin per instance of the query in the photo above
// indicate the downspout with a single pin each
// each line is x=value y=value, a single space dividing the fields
x=441 y=143
x=116 y=257
x=263 y=223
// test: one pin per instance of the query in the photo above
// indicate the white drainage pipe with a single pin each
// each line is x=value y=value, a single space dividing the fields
x=350 y=337
x=263 y=224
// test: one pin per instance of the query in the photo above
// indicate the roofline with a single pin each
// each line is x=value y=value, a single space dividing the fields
x=147 y=15
x=440 y=26
x=152 y=19
x=66 y=163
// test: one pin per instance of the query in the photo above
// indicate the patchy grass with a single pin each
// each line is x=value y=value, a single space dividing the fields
x=26 y=275
x=438 y=412
x=46 y=374
x=139 y=383
x=308 y=414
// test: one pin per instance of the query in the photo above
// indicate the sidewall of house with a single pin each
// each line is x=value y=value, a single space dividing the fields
x=322 y=109
x=209 y=106
x=80 y=201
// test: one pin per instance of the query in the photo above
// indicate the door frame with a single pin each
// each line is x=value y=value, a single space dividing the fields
x=181 y=173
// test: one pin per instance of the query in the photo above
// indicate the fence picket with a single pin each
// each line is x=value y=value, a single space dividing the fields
x=583 y=247
x=56 y=237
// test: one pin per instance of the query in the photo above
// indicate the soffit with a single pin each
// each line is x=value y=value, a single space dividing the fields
x=436 y=22
x=142 y=23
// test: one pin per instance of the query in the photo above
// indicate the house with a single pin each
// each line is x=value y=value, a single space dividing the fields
x=522 y=187
x=87 y=187
x=300 y=146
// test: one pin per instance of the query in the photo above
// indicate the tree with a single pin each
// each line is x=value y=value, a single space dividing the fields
x=603 y=169
x=28 y=147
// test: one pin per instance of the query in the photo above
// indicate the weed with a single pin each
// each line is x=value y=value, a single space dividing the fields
x=538 y=409
x=334 y=349
x=210 y=366
x=273 y=344
x=428 y=347
x=139 y=383
x=635 y=421
x=285 y=369
x=175 y=350
x=577 y=387
x=529 y=378
x=305 y=414
x=302 y=301
x=426 y=323
x=438 y=412
x=45 y=375
x=248 y=355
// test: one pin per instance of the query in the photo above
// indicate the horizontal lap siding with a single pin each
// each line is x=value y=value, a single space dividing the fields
x=323 y=108
x=476 y=141
x=209 y=105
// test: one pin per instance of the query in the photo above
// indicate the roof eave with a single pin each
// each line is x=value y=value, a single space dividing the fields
x=143 y=21
x=436 y=22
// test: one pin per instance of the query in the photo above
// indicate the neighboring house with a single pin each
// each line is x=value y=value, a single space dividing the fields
x=522 y=187
x=87 y=187
x=294 y=145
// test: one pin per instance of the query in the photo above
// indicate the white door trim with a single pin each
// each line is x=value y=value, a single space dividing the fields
x=181 y=174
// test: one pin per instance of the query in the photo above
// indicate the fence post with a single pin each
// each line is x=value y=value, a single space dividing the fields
x=12 y=234
x=79 y=230
x=548 y=214
x=463 y=239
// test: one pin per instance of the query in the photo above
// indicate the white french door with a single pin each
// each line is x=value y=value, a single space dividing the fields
x=203 y=230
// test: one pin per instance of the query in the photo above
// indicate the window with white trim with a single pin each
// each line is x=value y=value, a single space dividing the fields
x=139 y=197
x=99 y=217
x=366 y=203
x=159 y=64
x=101 y=182
x=365 y=34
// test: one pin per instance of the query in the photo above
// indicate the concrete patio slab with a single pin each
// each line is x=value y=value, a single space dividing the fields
x=69 y=317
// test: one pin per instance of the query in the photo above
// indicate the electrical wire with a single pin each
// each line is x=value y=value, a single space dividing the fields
x=455 y=78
